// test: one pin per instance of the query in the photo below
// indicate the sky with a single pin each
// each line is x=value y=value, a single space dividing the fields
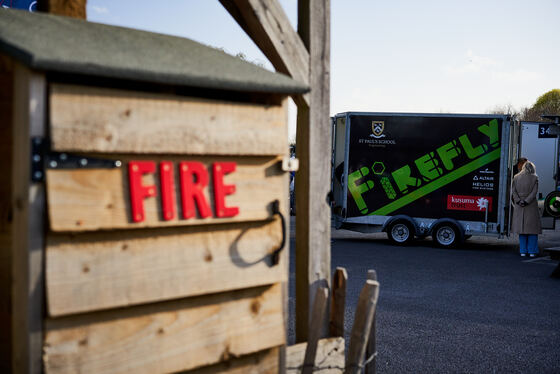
x=428 y=56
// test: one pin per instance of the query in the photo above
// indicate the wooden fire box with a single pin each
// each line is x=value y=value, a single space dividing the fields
x=142 y=200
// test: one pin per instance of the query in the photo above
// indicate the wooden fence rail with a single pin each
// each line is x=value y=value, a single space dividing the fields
x=338 y=302
x=371 y=350
x=317 y=317
x=362 y=326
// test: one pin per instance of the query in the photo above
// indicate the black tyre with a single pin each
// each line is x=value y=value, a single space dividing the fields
x=552 y=204
x=446 y=235
x=400 y=232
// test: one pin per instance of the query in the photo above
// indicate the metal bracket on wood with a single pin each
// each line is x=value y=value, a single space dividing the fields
x=42 y=158
x=289 y=164
x=38 y=145
x=56 y=160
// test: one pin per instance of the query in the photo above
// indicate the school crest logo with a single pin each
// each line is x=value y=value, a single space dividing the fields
x=377 y=128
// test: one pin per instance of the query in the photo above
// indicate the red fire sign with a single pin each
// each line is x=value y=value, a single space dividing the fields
x=193 y=181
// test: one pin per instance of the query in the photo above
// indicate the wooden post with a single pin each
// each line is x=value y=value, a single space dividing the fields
x=6 y=209
x=319 y=308
x=313 y=139
x=338 y=302
x=37 y=222
x=362 y=325
x=70 y=8
x=24 y=233
x=372 y=344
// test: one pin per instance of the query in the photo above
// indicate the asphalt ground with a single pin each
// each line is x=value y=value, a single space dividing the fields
x=479 y=308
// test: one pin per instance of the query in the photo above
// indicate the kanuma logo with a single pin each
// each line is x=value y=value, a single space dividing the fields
x=437 y=169
x=471 y=203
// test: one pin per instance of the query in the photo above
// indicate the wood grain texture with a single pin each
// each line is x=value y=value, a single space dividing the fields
x=166 y=337
x=313 y=226
x=338 y=302
x=24 y=229
x=36 y=226
x=317 y=317
x=329 y=358
x=69 y=8
x=264 y=362
x=268 y=26
x=86 y=119
x=20 y=323
x=372 y=340
x=106 y=270
x=365 y=310
x=6 y=226
x=93 y=199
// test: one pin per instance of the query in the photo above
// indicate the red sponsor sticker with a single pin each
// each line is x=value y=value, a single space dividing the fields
x=472 y=203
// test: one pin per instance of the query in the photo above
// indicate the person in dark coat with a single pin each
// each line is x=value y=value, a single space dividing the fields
x=526 y=220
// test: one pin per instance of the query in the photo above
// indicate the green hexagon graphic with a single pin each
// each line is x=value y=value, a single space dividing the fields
x=378 y=168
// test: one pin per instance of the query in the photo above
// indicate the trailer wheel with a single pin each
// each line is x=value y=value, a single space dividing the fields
x=446 y=235
x=400 y=232
x=552 y=204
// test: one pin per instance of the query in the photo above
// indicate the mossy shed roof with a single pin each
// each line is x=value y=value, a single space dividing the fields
x=65 y=45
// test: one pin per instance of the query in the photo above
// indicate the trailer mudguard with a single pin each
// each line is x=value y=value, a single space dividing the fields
x=402 y=217
x=451 y=221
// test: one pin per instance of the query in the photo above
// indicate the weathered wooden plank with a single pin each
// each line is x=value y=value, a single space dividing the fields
x=166 y=337
x=372 y=341
x=92 y=199
x=363 y=318
x=70 y=8
x=6 y=226
x=329 y=358
x=20 y=324
x=338 y=302
x=265 y=362
x=285 y=292
x=36 y=226
x=313 y=265
x=111 y=269
x=87 y=119
x=319 y=307
x=268 y=26
x=23 y=227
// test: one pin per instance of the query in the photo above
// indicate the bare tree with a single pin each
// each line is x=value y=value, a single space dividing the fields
x=504 y=109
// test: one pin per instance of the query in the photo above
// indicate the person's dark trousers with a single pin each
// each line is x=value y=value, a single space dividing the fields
x=529 y=243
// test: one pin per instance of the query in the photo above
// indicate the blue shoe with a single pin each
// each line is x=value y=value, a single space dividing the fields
x=532 y=255
x=523 y=254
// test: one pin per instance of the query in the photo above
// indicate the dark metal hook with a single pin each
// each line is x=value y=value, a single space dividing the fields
x=275 y=256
